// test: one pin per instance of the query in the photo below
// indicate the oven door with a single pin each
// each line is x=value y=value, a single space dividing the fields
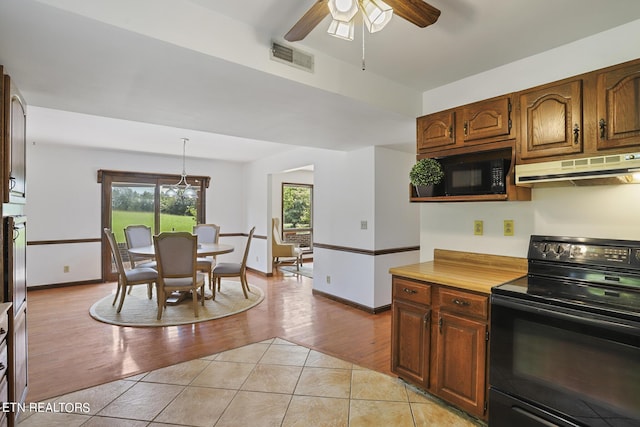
x=553 y=365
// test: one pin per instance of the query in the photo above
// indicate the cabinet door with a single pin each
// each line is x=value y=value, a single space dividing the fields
x=462 y=358
x=487 y=119
x=551 y=120
x=436 y=131
x=410 y=342
x=18 y=390
x=618 y=105
x=14 y=143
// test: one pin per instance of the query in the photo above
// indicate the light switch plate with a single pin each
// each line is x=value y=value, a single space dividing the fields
x=478 y=227
x=508 y=227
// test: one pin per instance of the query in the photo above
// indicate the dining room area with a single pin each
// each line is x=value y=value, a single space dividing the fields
x=174 y=277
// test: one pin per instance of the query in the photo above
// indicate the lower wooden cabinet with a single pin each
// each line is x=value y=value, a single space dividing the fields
x=18 y=358
x=411 y=340
x=440 y=343
x=462 y=350
x=411 y=334
x=4 y=361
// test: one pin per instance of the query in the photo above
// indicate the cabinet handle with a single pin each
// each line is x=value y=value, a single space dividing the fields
x=461 y=302
x=426 y=318
x=410 y=291
x=12 y=182
x=603 y=128
x=466 y=128
x=450 y=132
x=440 y=324
x=576 y=133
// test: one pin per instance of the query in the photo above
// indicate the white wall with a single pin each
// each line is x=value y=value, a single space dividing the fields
x=64 y=203
x=599 y=211
x=350 y=187
x=368 y=185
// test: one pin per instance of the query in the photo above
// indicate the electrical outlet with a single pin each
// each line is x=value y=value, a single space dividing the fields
x=508 y=227
x=478 y=227
x=328 y=280
x=65 y=268
x=363 y=225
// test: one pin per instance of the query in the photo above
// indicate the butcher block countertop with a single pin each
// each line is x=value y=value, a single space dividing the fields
x=465 y=270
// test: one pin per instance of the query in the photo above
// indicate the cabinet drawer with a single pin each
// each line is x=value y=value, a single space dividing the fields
x=464 y=303
x=409 y=290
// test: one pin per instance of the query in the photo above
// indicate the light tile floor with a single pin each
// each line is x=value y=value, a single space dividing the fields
x=270 y=383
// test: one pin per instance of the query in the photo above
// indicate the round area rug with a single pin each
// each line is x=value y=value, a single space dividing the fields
x=138 y=310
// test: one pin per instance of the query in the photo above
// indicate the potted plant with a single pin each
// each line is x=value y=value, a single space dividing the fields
x=424 y=175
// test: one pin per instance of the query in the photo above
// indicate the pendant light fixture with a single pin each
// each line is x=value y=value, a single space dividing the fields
x=182 y=188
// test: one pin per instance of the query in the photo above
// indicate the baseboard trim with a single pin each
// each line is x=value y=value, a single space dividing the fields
x=370 y=310
x=64 y=284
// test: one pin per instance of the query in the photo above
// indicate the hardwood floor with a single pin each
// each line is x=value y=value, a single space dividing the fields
x=68 y=350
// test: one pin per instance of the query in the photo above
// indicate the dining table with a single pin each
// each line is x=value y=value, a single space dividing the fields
x=204 y=249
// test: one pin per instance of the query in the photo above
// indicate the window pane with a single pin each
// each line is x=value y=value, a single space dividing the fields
x=297 y=222
x=131 y=204
x=177 y=213
x=296 y=206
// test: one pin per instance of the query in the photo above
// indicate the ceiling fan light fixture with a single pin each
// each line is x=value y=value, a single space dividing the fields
x=342 y=30
x=376 y=14
x=343 y=10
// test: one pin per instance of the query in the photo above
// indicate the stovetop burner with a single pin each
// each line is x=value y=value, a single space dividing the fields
x=599 y=275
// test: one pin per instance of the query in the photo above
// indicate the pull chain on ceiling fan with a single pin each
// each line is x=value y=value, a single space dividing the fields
x=375 y=13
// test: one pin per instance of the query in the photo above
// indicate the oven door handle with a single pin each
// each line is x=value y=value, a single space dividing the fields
x=568 y=314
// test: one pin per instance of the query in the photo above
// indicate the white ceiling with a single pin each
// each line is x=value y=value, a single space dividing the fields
x=163 y=69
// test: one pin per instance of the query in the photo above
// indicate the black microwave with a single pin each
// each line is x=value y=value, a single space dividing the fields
x=476 y=177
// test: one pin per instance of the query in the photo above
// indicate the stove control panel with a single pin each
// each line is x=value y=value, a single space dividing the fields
x=586 y=251
x=550 y=250
x=600 y=253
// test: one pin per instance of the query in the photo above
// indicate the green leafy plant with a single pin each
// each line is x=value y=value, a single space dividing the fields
x=426 y=172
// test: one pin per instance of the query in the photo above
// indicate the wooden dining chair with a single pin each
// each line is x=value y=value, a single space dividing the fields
x=207 y=233
x=234 y=269
x=137 y=236
x=176 y=254
x=129 y=278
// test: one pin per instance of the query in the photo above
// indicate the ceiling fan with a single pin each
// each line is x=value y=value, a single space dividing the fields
x=415 y=11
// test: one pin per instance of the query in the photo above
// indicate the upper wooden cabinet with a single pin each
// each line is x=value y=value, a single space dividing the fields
x=14 y=143
x=436 y=131
x=587 y=115
x=551 y=120
x=487 y=119
x=618 y=106
x=478 y=123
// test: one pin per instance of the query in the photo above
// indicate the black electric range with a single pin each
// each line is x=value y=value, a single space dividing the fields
x=565 y=344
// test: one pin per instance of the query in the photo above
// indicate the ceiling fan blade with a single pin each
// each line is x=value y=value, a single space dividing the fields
x=308 y=21
x=415 y=11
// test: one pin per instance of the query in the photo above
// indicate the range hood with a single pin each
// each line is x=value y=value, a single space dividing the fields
x=607 y=169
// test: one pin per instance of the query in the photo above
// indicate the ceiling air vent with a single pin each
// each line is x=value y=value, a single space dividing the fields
x=294 y=57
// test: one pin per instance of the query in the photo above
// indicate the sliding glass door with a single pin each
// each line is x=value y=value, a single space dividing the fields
x=130 y=198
